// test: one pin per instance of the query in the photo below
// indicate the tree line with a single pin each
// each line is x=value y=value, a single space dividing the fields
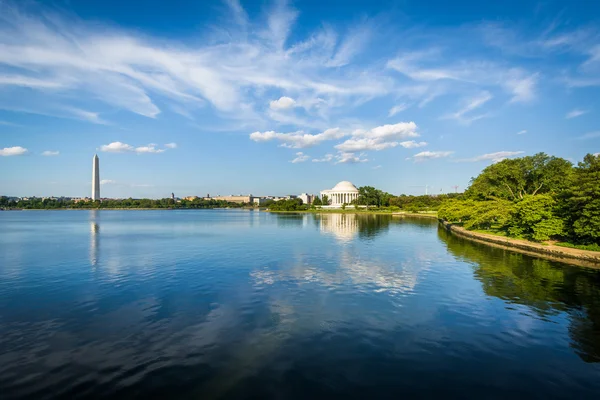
x=537 y=197
x=166 y=203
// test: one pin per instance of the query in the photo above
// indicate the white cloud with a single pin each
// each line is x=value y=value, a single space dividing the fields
x=151 y=148
x=300 y=157
x=522 y=132
x=575 y=113
x=429 y=155
x=377 y=167
x=283 y=103
x=411 y=144
x=326 y=158
x=297 y=140
x=349 y=158
x=379 y=138
x=396 y=109
x=471 y=104
x=596 y=154
x=171 y=145
x=49 y=153
x=494 y=157
x=116 y=147
x=13 y=151
x=119 y=147
x=107 y=182
x=365 y=144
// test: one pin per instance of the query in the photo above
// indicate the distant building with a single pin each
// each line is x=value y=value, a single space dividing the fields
x=343 y=192
x=190 y=198
x=173 y=196
x=307 y=198
x=259 y=200
x=235 y=199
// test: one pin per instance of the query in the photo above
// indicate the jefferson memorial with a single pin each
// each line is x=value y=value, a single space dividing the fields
x=343 y=192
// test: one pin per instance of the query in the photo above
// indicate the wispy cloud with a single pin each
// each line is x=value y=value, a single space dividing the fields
x=300 y=157
x=120 y=147
x=107 y=182
x=575 y=113
x=50 y=153
x=397 y=109
x=326 y=158
x=590 y=135
x=377 y=167
x=350 y=158
x=464 y=115
x=430 y=155
x=494 y=157
x=524 y=131
x=171 y=145
x=13 y=151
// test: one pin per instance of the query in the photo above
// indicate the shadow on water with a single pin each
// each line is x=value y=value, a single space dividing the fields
x=546 y=287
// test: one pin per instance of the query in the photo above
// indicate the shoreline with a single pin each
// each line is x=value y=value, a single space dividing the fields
x=340 y=211
x=582 y=258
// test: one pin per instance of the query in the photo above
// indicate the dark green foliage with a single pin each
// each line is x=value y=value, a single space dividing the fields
x=287 y=205
x=476 y=214
x=317 y=202
x=535 y=218
x=582 y=201
x=513 y=179
x=538 y=198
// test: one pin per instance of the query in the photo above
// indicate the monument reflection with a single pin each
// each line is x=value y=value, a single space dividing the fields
x=94 y=236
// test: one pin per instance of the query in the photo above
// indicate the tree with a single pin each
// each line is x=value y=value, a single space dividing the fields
x=325 y=200
x=513 y=179
x=317 y=202
x=582 y=201
x=535 y=218
x=368 y=196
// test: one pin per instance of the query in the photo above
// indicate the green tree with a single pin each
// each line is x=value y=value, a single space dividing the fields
x=582 y=201
x=317 y=202
x=368 y=196
x=325 y=200
x=535 y=218
x=513 y=179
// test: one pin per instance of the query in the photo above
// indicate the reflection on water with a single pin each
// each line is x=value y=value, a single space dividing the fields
x=546 y=287
x=235 y=304
x=346 y=227
x=94 y=236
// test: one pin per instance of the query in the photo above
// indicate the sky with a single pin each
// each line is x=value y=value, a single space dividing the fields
x=280 y=97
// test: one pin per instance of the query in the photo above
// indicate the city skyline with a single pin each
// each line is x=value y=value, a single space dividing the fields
x=289 y=97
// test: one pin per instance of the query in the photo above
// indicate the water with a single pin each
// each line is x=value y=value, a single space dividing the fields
x=243 y=304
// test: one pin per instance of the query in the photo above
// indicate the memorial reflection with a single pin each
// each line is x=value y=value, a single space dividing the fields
x=346 y=227
x=547 y=287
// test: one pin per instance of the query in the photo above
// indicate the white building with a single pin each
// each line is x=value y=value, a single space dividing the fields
x=343 y=192
x=307 y=198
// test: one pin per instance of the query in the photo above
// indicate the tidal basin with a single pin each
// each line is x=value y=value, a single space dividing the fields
x=247 y=304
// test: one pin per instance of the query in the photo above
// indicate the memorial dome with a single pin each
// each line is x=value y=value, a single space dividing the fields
x=345 y=186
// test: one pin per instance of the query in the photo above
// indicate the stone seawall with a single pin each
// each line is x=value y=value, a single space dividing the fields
x=557 y=253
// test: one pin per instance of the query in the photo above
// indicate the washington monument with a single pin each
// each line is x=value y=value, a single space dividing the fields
x=96 y=179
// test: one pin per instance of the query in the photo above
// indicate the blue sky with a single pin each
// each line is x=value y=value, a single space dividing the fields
x=275 y=97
